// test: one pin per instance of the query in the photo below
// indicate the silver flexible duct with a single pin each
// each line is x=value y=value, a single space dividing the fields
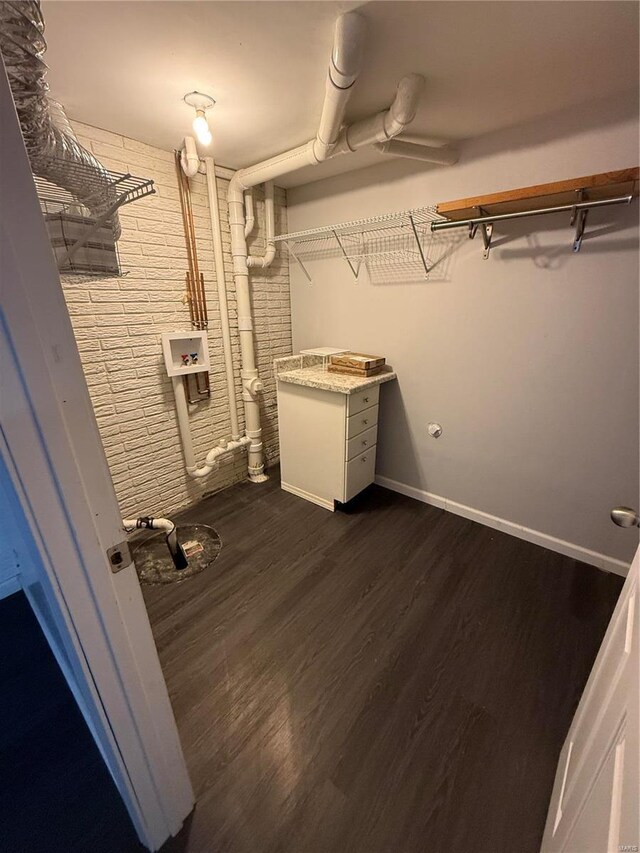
x=54 y=152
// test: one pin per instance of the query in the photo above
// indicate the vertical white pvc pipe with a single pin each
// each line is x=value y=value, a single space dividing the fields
x=182 y=412
x=214 y=212
x=251 y=384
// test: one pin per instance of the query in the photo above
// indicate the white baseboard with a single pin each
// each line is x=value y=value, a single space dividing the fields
x=569 y=549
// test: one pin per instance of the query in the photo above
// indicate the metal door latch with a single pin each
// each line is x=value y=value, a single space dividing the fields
x=119 y=556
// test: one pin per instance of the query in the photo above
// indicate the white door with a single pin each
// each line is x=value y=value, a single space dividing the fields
x=54 y=463
x=595 y=805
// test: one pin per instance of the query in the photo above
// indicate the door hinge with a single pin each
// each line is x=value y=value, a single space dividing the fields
x=119 y=556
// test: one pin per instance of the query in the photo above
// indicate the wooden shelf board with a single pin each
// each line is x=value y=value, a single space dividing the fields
x=604 y=185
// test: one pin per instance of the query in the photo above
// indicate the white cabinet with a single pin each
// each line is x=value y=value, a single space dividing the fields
x=328 y=441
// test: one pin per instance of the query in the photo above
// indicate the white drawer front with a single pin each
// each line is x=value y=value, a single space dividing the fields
x=362 y=421
x=360 y=472
x=364 y=441
x=362 y=400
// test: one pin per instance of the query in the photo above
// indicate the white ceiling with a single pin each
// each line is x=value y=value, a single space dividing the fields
x=125 y=66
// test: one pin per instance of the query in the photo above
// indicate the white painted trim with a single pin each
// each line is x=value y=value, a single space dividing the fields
x=569 y=549
x=56 y=462
x=314 y=499
x=10 y=585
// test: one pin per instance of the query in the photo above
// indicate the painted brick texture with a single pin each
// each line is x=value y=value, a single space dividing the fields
x=118 y=323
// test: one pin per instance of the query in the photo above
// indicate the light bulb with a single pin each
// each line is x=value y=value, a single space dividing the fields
x=201 y=128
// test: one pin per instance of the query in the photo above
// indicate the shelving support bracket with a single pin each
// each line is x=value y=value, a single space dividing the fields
x=419 y=245
x=487 y=234
x=579 y=219
x=289 y=244
x=346 y=257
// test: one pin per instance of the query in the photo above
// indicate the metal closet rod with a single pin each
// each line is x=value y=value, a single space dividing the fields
x=501 y=217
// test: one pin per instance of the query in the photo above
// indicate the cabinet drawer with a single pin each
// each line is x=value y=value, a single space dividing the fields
x=362 y=400
x=360 y=471
x=361 y=442
x=362 y=421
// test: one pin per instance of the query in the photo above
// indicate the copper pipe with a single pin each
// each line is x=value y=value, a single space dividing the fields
x=205 y=313
x=189 y=298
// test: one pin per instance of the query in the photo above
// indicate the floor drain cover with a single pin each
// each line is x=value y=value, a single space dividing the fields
x=154 y=565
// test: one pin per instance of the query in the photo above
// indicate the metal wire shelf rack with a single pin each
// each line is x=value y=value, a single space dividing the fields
x=404 y=239
x=85 y=245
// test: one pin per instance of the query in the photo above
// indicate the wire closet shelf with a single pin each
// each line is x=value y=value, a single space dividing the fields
x=404 y=239
x=85 y=246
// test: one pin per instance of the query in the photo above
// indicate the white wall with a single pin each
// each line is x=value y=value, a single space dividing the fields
x=118 y=322
x=529 y=360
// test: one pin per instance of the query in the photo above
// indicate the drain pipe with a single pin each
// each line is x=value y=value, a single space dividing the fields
x=343 y=70
x=251 y=383
x=212 y=459
x=175 y=548
x=189 y=159
x=248 y=213
x=440 y=156
x=270 y=226
x=387 y=124
x=216 y=231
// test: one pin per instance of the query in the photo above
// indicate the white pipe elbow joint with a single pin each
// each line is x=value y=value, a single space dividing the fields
x=405 y=105
x=189 y=159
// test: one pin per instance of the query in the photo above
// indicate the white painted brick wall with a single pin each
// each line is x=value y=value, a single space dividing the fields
x=118 y=323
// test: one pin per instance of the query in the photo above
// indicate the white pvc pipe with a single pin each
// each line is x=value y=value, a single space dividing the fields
x=189 y=159
x=441 y=156
x=344 y=67
x=387 y=124
x=216 y=231
x=131 y=524
x=248 y=213
x=274 y=167
x=182 y=413
x=251 y=384
x=269 y=215
x=149 y=523
x=212 y=458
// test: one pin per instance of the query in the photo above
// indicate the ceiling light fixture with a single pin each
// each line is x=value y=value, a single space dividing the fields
x=201 y=103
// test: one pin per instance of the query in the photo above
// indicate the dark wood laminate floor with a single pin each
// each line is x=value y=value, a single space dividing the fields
x=389 y=679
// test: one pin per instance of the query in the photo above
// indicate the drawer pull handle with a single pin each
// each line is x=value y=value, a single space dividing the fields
x=365 y=421
x=366 y=400
x=364 y=443
x=364 y=459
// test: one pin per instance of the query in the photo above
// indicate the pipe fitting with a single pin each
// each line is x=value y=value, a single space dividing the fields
x=348 y=49
x=189 y=159
x=441 y=156
x=405 y=105
x=253 y=386
x=175 y=548
x=249 y=217
x=269 y=216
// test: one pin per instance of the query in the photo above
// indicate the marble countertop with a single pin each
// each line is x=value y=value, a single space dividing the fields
x=298 y=371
